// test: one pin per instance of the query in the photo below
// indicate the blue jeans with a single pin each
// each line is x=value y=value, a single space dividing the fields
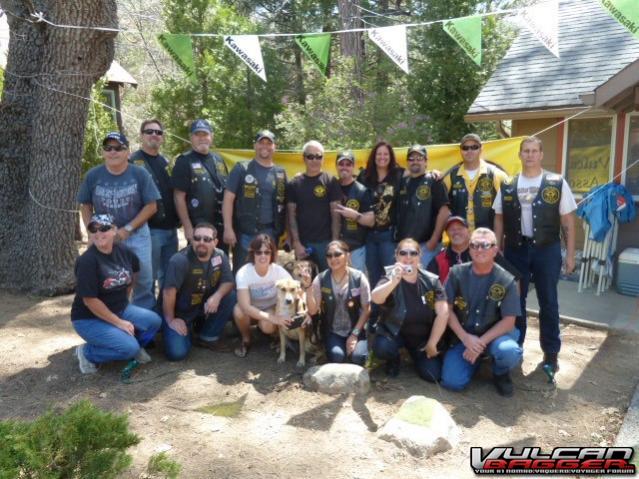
x=380 y=252
x=387 y=348
x=240 y=251
x=504 y=351
x=177 y=347
x=140 y=243
x=106 y=342
x=164 y=244
x=336 y=350
x=544 y=264
x=358 y=259
x=428 y=255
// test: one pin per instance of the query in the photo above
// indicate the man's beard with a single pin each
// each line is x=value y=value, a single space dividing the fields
x=201 y=252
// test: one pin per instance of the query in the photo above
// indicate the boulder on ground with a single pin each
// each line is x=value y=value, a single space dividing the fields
x=422 y=426
x=336 y=378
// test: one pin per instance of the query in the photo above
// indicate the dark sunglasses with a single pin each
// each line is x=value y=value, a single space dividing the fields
x=470 y=147
x=416 y=158
x=114 y=148
x=206 y=239
x=262 y=252
x=102 y=228
x=313 y=157
x=151 y=131
x=481 y=245
x=408 y=252
x=337 y=254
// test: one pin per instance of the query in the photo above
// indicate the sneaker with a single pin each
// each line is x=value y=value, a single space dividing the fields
x=504 y=384
x=86 y=366
x=142 y=357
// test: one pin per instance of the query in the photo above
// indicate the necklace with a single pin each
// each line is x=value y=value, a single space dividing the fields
x=341 y=280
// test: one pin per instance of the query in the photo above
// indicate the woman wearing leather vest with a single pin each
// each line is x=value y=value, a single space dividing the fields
x=414 y=314
x=341 y=296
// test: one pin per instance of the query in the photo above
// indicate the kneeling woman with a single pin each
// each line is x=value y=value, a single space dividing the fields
x=256 y=292
x=414 y=314
x=101 y=314
x=341 y=296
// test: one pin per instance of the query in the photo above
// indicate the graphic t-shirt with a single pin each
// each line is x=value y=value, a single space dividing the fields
x=103 y=276
x=261 y=288
x=122 y=196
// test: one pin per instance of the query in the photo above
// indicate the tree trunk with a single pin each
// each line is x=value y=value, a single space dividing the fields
x=42 y=136
x=352 y=44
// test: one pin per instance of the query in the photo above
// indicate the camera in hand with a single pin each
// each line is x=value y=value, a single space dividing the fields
x=296 y=321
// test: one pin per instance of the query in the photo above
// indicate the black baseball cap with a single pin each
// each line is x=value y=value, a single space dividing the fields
x=117 y=136
x=417 y=149
x=345 y=155
x=103 y=219
x=265 y=134
x=456 y=219
x=201 y=125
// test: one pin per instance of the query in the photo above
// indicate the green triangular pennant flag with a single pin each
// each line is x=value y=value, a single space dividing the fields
x=317 y=48
x=181 y=50
x=625 y=12
x=466 y=31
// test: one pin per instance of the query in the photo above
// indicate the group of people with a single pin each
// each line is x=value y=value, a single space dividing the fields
x=385 y=282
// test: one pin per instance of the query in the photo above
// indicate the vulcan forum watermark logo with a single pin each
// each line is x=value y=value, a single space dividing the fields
x=561 y=460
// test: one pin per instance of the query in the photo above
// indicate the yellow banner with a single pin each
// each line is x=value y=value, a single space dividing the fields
x=440 y=157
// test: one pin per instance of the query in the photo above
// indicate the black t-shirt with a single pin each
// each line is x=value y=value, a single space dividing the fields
x=366 y=203
x=384 y=197
x=313 y=195
x=103 y=276
x=158 y=165
x=419 y=318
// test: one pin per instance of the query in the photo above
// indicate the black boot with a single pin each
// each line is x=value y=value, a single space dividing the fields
x=550 y=360
x=392 y=367
x=504 y=384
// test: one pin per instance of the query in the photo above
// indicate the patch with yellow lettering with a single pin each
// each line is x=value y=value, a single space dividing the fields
x=250 y=191
x=497 y=292
x=485 y=184
x=196 y=298
x=460 y=303
x=353 y=204
x=326 y=290
x=423 y=192
x=215 y=277
x=429 y=299
x=550 y=194
x=319 y=191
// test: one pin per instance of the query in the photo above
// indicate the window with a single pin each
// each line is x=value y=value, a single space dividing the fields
x=631 y=175
x=588 y=153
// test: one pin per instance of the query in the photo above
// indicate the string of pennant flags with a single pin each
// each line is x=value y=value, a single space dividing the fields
x=542 y=19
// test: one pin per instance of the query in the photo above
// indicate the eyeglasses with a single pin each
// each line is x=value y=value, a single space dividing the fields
x=337 y=254
x=313 y=157
x=151 y=131
x=262 y=252
x=470 y=147
x=206 y=239
x=416 y=158
x=114 y=148
x=408 y=252
x=102 y=228
x=481 y=245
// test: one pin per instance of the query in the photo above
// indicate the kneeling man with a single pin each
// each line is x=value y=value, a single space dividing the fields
x=484 y=303
x=198 y=295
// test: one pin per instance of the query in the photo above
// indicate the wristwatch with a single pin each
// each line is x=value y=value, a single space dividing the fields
x=355 y=332
x=128 y=228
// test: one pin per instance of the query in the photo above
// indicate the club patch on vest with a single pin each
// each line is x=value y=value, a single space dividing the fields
x=326 y=290
x=219 y=166
x=319 y=191
x=249 y=191
x=249 y=179
x=353 y=204
x=195 y=202
x=550 y=194
x=196 y=299
x=139 y=162
x=497 y=292
x=460 y=303
x=197 y=167
x=423 y=192
x=485 y=184
x=215 y=277
x=458 y=185
x=429 y=299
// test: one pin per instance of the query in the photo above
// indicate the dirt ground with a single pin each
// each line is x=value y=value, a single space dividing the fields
x=285 y=431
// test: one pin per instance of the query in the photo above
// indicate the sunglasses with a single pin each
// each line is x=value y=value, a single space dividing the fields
x=408 y=252
x=114 y=148
x=206 y=239
x=481 y=245
x=102 y=228
x=262 y=252
x=416 y=158
x=313 y=157
x=337 y=254
x=151 y=131
x=470 y=147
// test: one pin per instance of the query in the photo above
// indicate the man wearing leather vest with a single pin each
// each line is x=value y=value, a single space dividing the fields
x=255 y=199
x=164 y=222
x=530 y=212
x=199 y=179
x=422 y=206
x=483 y=303
x=473 y=185
x=355 y=209
x=198 y=296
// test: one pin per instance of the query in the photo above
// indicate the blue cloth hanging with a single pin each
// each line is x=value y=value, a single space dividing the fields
x=603 y=201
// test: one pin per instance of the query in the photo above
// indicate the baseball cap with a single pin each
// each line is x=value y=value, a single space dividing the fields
x=456 y=219
x=345 y=155
x=117 y=136
x=417 y=149
x=470 y=137
x=265 y=134
x=201 y=125
x=103 y=219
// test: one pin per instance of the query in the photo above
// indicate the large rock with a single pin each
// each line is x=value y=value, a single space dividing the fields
x=422 y=426
x=335 y=378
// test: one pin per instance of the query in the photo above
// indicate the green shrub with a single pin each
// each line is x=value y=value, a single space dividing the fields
x=81 y=442
x=164 y=465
